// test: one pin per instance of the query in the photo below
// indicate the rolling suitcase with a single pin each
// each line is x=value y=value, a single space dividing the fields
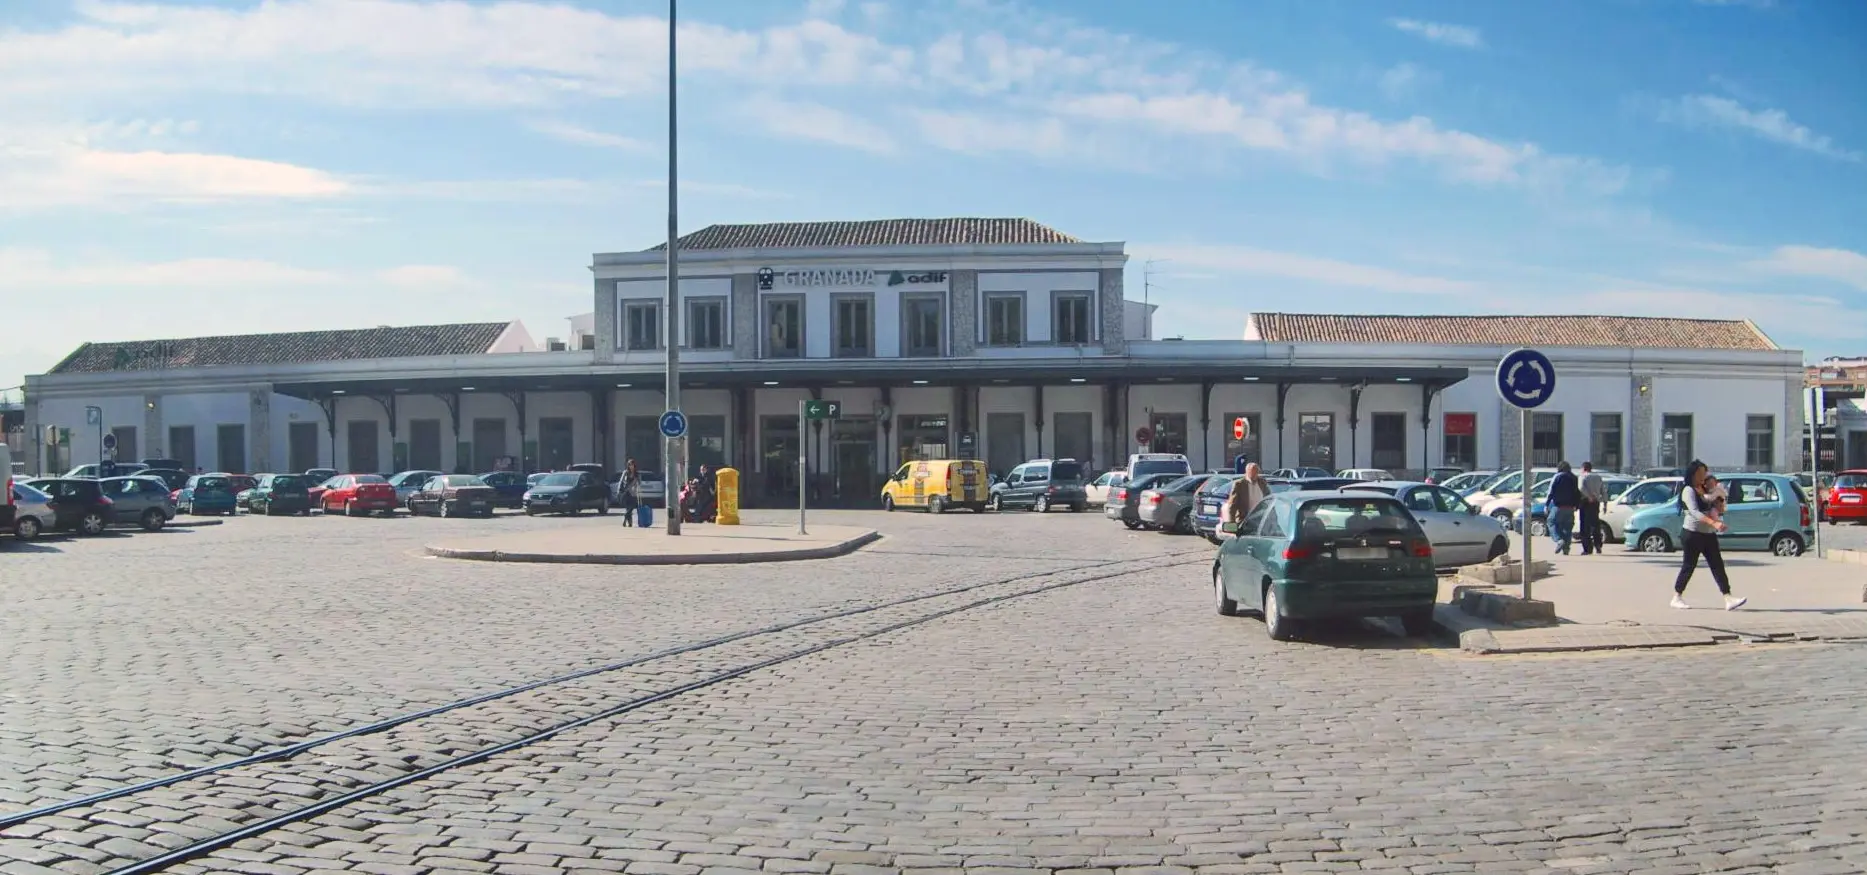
x=644 y=515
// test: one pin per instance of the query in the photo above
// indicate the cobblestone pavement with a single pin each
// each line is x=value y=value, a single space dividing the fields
x=1116 y=724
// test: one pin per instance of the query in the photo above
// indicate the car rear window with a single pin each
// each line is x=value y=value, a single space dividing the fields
x=1851 y=481
x=1159 y=466
x=1351 y=516
x=459 y=480
x=370 y=478
x=288 y=483
x=1066 y=471
x=213 y=483
x=561 y=478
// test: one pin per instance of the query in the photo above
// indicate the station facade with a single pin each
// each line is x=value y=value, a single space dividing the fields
x=1000 y=339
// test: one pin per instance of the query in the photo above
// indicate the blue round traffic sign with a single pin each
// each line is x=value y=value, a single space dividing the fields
x=673 y=424
x=1526 y=379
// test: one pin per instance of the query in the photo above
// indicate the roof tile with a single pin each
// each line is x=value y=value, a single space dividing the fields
x=466 y=338
x=879 y=232
x=1615 y=331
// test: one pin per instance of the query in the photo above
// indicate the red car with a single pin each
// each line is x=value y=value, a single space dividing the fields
x=356 y=494
x=1847 y=499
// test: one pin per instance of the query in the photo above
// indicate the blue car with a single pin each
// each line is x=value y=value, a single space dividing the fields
x=206 y=494
x=508 y=487
x=1764 y=512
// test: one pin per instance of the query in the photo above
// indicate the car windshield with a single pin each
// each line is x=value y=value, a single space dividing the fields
x=1146 y=467
x=459 y=480
x=1324 y=518
x=561 y=478
x=1851 y=481
x=212 y=483
x=288 y=483
x=1066 y=471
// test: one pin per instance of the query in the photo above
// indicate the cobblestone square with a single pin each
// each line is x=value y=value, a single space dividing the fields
x=1081 y=707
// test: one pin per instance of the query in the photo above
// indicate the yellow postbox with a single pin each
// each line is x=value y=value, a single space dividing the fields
x=726 y=481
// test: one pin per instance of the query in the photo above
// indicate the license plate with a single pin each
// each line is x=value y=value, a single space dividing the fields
x=1850 y=499
x=1212 y=509
x=1361 y=553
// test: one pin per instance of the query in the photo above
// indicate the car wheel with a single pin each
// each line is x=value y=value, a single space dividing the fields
x=1499 y=547
x=1503 y=518
x=888 y=503
x=1278 y=626
x=1131 y=524
x=1786 y=544
x=936 y=504
x=92 y=523
x=1228 y=607
x=1042 y=504
x=530 y=512
x=1079 y=507
x=1183 y=524
x=152 y=520
x=993 y=504
x=1607 y=534
x=1539 y=528
x=1655 y=541
x=1419 y=623
x=26 y=528
x=444 y=510
x=350 y=507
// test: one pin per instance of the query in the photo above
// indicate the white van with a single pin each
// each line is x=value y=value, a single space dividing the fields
x=7 y=510
x=1143 y=464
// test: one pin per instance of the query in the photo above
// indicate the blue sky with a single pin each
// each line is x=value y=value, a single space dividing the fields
x=173 y=169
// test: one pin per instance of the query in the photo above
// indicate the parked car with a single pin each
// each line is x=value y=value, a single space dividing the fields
x=407 y=483
x=1638 y=497
x=1847 y=498
x=94 y=470
x=1764 y=512
x=1299 y=473
x=447 y=495
x=1168 y=507
x=1125 y=501
x=32 y=512
x=1507 y=494
x=1615 y=484
x=508 y=488
x=162 y=464
x=1097 y=492
x=243 y=492
x=205 y=494
x=567 y=492
x=1209 y=503
x=1322 y=483
x=1459 y=533
x=280 y=495
x=1506 y=482
x=142 y=501
x=1365 y=475
x=78 y=505
x=317 y=476
x=936 y=485
x=1439 y=476
x=1462 y=483
x=652 y=490
x=1042 y=484
x=1142 y=464
x=1652 y=473
x=1305 y=556
x=173 y=478
x=358 y=494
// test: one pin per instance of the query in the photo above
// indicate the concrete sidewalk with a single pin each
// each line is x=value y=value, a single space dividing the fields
x=698 y=544
x=1620 y=599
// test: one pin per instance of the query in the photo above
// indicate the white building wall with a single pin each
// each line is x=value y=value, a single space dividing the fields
x=119 y=410
x=1037 y=287
x=1719 y=409
x=656 y=291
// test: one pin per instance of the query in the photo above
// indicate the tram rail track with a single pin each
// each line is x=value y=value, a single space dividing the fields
x=224 y=803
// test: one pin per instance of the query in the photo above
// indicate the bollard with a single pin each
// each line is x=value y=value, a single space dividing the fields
x=726 y=493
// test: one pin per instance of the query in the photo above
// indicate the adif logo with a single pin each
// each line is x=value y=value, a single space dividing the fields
x=899 y=278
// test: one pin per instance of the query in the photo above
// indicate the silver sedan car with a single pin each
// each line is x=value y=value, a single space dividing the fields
x=1459 y=533
x=1168 y=507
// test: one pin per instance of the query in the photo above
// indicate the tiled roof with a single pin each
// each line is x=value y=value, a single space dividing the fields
x=1619 y=331
x=466 y=338
x=879 y=232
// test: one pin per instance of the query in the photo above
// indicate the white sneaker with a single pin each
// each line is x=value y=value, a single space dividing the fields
x=1679 y=602
x=1732 y=603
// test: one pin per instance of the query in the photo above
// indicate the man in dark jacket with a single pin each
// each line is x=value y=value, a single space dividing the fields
x=1564 y=494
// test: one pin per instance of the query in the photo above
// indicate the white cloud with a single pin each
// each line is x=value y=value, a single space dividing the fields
x=582 y=136
x=1774 y=125
x=798 y=120
x=1236 y=260
x=1444 y=34
x=423 y=276
x=1840 y=265
x=1402 y=80
x=63 y=174
x=36 y=269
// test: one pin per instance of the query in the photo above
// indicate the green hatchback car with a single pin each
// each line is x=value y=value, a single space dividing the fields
x=1308 y=555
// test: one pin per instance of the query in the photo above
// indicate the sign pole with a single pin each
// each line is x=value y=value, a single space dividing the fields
x=675 y=452
x=803 y=469
x=96 y=416
x=1814 y=403
x=1527 y=506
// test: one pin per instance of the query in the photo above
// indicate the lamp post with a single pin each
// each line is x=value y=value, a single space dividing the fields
x=676 y=452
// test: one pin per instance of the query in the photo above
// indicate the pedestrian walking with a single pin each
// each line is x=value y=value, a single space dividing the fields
x=1248 y=491
x=628 y=492
x=1594 y=495
x=1701 y=499
x=1559 y=508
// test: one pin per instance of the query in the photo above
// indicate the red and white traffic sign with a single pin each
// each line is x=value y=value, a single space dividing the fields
x=1241 y=429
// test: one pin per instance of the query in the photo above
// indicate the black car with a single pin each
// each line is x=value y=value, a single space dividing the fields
x=568 y=492
x=174 y=478
x=1042 y=484
x=78 y=505
x=509 y=488
x=281 y=495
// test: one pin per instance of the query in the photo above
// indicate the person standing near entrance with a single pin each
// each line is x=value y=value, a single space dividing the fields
x=1594 y=495
x=628 y=492
x=1559 y=507
x=1701 y=527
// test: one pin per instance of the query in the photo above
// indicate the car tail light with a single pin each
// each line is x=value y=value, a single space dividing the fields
x=1153 y=498
x=105 y=500
x=1119 y=494
x=1299 y=553
x=1805 y=516
x=1421 y=548
x=1053 y=490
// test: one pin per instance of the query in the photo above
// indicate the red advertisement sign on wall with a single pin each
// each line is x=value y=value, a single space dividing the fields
x=1461 y=424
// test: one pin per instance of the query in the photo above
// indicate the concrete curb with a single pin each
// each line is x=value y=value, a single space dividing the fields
x=1858 y=557
x=193 y=524
x=830 y=551
x=1479 y=636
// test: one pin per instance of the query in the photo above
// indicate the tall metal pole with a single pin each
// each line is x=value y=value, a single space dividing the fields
x=803 y=467
x=1815 y=463
x=1528 y=506
x=676 y=449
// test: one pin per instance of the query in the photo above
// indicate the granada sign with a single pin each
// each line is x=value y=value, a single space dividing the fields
x=769 y=279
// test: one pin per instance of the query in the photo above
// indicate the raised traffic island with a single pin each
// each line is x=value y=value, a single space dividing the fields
x=697 y=544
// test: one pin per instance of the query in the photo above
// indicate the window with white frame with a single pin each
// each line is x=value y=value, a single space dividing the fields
x=1069 y=317
x=1760 y=442
x=784 y=327
x=706 y=323
x=641 y=325
x=852 y=325
x=922 y=319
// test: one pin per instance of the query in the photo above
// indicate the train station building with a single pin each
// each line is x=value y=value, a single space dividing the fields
x=998 y=339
